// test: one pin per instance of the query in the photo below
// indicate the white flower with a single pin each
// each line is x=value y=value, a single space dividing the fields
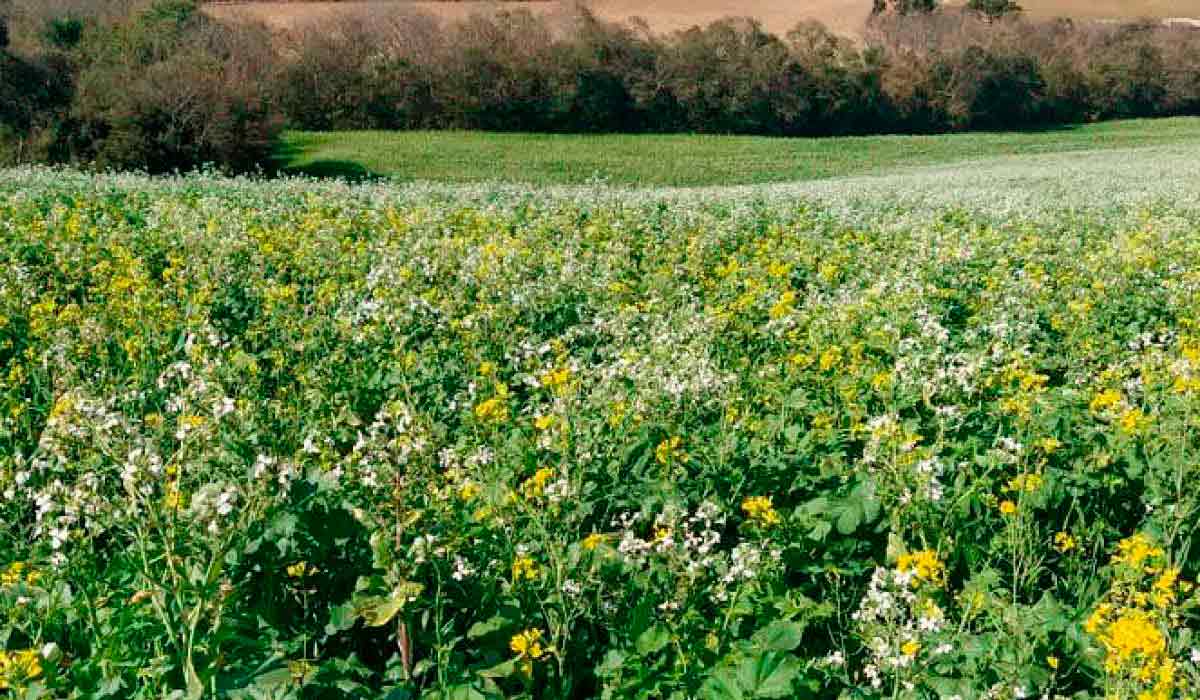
x=223 y=408
x=50 y=652
x=462 y=569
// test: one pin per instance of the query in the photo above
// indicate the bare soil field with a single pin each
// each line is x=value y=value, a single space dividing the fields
x=843 y=16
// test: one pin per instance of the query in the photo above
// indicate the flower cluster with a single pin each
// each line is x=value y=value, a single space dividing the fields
x=1136 y=619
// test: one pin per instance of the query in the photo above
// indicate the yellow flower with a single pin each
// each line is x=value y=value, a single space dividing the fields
x=19 y=573
x=535 y=485
x=524 y=568
x=528 y=647
x=1048 y=445
x=487 y=369
x=830 y=358
x=493 y=410
x=173 y=500
x=1133 y=421
x=297 y=570
x=910 y=648
x=1025 y=482
x=556 y=378
x=760 y=510
x=1105 y=400
x=1008 y=507
x=1131 y=635
x=469 y=490
x=925 y=564
x=1052 y=662
x=669 y=450
x=543 y=422
x=1064 y=542
x=593 y=540
x=18 y=668
x=1163 y=592
x=1135 y=550
x=527 y=644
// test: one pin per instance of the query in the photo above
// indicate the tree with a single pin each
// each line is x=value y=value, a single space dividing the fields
x=994 y=9
x=904 y=7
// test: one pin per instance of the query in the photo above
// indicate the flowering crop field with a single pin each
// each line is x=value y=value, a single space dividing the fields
x=928 y=436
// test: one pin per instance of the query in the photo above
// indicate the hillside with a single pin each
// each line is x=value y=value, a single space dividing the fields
x=844 y=16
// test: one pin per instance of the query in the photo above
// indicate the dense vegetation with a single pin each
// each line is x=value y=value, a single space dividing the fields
x=132 y=84
x=156 y=84
x=282 y=440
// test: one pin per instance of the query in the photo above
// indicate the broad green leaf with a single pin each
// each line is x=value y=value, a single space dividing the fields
x=653 y=640
x=781 y=635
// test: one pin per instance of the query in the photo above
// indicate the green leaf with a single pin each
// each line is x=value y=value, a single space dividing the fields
x=769 y=675
x=850 y=518
x=504 y=669
x=279 y=678
x=781 y=635
x=490 y=626
x=463 y=691
x=653 y=640
x=721 y=685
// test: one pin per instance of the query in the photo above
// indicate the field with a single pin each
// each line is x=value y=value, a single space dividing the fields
x=686 y=160
x=929 y=433
x=843 y=16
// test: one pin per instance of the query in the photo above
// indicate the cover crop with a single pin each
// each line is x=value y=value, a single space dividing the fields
x=310 y=440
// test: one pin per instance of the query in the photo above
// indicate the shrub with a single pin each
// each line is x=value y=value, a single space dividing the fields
x=994 y=8
x=63 y=32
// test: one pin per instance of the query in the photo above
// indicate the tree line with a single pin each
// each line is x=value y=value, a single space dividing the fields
x=160 y=85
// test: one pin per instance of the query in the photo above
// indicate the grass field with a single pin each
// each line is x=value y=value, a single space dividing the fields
x=686 y=160
x=780 y=16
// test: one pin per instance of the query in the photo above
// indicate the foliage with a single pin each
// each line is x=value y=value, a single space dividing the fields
x=994 y=8
x=311 y=440
x=903 y=7
x=158 y=88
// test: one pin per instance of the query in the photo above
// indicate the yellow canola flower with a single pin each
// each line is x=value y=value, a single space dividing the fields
x=761 y=510
x=19 y=572
x=925 y=564
x=535 y=486
x=1064 y=542
x=1134 y=551
x=1027 y=483
x=524 y=568
x=1105 y=400
x=1008 y=507
x=527 y=644
x=1132 y=635
x=555 y=378
x=18 y=668
x=669 y=450
x=492 y=411
x=301 y=569
x=830 y=358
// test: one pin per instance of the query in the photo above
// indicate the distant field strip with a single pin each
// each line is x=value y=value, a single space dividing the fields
x=844 y=16
x=687 y=160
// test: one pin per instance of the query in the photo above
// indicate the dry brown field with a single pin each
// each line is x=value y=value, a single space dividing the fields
x=843 y=16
